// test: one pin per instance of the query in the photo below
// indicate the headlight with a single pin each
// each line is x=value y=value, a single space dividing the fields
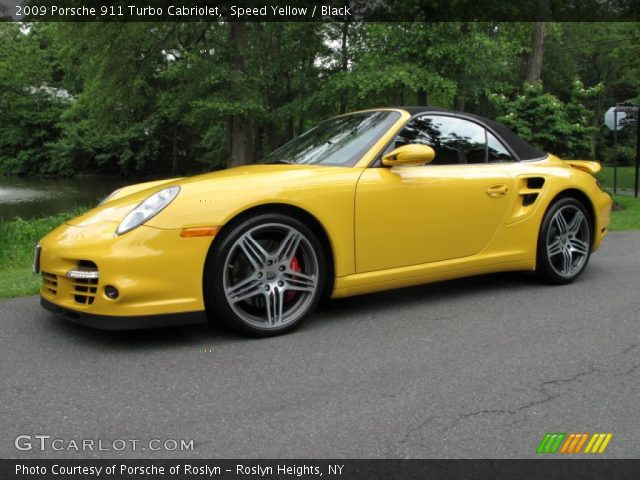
x=110 y=196
x=147 y=209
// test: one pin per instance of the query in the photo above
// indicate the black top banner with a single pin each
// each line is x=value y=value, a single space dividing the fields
x=319 y=11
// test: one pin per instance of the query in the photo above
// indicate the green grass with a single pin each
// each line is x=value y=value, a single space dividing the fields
x=628 y=217
x=626 y=177
x=17 y=240
x=626 y=214
x=18 y=281
x=18 y=237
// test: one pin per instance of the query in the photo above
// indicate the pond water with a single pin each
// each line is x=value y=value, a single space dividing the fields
x=29 y=197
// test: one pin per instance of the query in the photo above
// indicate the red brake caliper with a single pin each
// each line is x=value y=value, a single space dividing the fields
x=295 y=266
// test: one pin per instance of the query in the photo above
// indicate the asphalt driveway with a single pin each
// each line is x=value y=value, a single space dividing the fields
x=481 y=367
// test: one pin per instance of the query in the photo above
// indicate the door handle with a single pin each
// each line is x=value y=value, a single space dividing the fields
x=496 y=191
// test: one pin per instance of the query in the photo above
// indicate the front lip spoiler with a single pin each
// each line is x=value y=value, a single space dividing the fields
x=110 y=322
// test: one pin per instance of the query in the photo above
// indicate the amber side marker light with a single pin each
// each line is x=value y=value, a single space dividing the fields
x=199 y=232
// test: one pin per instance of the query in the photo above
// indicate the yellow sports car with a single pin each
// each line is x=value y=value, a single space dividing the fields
x=363 y=202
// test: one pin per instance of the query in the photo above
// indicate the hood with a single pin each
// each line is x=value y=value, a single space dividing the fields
x=120 y=202
x=209 y=188
x=131 y=189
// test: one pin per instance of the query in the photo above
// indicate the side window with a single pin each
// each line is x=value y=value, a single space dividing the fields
x=455 y=141
x=496 y=152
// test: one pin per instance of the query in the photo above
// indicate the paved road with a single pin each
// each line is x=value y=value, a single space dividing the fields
x=474 y=368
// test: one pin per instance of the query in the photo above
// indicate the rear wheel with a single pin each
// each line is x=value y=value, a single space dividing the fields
x=266 y=275
x=564 y=243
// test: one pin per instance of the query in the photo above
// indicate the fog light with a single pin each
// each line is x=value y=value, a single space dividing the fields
x=111 y=292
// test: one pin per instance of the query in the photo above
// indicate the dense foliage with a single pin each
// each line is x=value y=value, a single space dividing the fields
x=160 y=98
x=554 y=125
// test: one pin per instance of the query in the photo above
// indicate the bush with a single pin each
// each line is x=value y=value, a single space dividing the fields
x=18 y=237
x=549 y=123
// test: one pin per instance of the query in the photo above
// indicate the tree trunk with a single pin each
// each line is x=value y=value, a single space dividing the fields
x=423 y=99
x=257 y=144
x=239 y=131
x=597 y=118
x=289 y=121
x=460 y=100
x=272 y=136
x=174 y=150
x=345 y=63
x=534 y=67
x=240 y=151
x=460 y=104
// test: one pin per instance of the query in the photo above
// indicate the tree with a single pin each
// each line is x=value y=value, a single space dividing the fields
x=597 y=53
x=174 y=98
x=31 y=99
x=548 y=122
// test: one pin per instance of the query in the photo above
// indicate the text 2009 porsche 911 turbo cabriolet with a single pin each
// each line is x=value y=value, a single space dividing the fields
x=363 y=202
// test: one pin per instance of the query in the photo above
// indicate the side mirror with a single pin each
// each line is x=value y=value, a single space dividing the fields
x=412 y=154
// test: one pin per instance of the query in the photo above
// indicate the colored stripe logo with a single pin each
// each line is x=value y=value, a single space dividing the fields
x=551 y=442
x=598 y=443
x=572 y=443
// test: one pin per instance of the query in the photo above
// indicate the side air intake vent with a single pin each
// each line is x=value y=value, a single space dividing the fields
x=529 y=199
x=535 y=182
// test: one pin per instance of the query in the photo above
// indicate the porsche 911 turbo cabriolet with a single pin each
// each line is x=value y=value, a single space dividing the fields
x=363 y=202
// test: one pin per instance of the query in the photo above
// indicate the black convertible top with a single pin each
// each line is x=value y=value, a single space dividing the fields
x=521 y=149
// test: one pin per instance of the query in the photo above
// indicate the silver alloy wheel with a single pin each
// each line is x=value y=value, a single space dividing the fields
x=270 y=275
x=568 y=241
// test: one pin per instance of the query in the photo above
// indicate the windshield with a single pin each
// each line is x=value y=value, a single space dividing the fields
x=339 y=141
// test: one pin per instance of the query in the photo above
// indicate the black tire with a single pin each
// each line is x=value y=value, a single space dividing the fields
x=258 y=314
x=573 y=248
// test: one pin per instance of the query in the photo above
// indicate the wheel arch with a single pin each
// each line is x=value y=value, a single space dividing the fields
x=576 y=194
x=543 y=268
x=298 y=213
x=581 y=197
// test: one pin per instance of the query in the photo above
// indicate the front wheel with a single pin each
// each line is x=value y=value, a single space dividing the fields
x=564 y=243
x=265 y=275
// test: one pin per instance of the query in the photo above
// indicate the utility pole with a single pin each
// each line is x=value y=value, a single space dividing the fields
x=637 y=151
x=615 y=119
x=615 y=152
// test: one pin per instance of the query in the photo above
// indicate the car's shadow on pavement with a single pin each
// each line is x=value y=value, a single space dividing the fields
x=148 y=339
x=450 y=289
x=330 y=312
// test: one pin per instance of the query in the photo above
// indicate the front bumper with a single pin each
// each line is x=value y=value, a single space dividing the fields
x=157 y=273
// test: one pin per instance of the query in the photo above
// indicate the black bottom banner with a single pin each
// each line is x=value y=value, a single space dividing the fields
x=315 y=469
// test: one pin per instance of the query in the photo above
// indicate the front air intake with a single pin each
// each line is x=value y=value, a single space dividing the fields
x=84 y=282
x=50 y=283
